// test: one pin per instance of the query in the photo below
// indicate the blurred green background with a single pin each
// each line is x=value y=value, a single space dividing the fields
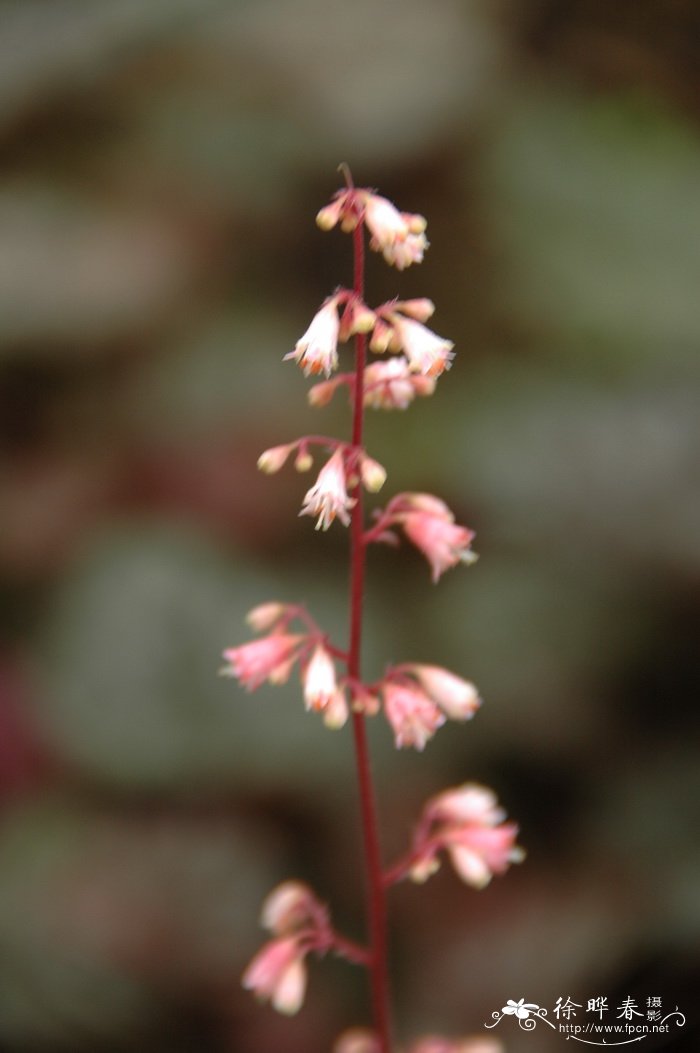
x=162 y=163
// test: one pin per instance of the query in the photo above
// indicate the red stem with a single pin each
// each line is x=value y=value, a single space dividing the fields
x=376 y=895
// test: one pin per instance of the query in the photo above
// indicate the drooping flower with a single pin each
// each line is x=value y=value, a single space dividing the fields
x=319 y=680
x=399 y=236
x=277 y=973
x=430 y=525
x=468 y=824
x=456 y=697
x=270 y=658
x=328 y=497
x=412 y=715
x=317 y=350
x=427 y=353
x=392 y=385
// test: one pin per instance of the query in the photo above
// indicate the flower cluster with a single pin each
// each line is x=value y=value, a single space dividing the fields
x=419 y=698
x=299 y=924
x=465 y=823
x=273 y=657
x=399 y=236
x=468 y=824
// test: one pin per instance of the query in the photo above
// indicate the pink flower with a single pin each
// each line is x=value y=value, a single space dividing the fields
x=328 y=497
x=468 y=824
x=427 y=353
x=270 y=658
x=399 y=236
x=392 y=385
x=457 y=698
x=412 y=715
x=277 y=972
x=316 y=351
x=429 y=524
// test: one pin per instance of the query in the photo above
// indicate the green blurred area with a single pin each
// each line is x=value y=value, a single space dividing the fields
x=162 y=163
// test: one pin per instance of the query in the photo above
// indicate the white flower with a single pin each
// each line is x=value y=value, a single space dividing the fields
x=319 y=680
x=317 y=350
x=427 y=353
x=328 y=497
x=399 y=236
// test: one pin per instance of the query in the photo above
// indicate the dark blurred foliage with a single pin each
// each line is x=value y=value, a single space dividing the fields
x=162 y=162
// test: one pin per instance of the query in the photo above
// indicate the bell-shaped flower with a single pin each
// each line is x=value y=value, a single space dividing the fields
x=456 y=697
x=319 y=680
x=317 y=350
x=277 y=974
x=412 y=715
x=399 y=236
x=270 y=658
x=468 y=824
x=429 y=524
x=427 y=353
x=392 y=385
x=328 y=497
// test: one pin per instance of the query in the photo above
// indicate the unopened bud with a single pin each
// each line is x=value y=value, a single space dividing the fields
x=270 y=461
x=373 y=474
x=303 y=461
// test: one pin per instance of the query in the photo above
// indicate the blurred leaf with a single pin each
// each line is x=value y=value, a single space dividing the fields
x=103 y=916
x=594 y=201
x=128 y=675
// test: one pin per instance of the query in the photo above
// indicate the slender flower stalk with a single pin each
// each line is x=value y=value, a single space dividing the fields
x=375 y=885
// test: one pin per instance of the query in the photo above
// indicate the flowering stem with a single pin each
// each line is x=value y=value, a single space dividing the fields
x=375 y=881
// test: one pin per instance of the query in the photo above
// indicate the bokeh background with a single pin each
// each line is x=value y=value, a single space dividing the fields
x=162 y=163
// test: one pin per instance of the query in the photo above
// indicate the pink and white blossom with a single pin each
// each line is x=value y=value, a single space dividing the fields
x=319 y=680
x=456 y=697
x=442 y=541
x=469 y=825
x=328 y=497
x=399 y=236
x=392 y=385
x=427 y=353
x=277 y=974
x=412 y=715
x=270 y=658
x=317 y=350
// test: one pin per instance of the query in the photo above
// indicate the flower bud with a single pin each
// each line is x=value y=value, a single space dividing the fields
x=304 y=461
x=270 y=461
x=373 y=474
